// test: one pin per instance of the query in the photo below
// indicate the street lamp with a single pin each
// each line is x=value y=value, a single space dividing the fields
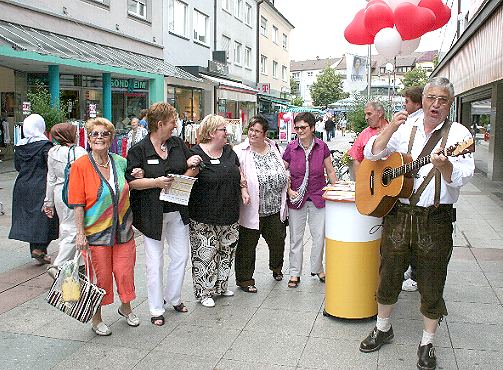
x=389 y=69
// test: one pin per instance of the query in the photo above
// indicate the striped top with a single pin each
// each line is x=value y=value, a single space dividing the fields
x=107 y=215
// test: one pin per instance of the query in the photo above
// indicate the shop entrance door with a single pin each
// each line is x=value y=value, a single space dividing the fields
x=71 y=99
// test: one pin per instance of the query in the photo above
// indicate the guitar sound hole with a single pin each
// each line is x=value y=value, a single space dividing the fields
x=387 y=176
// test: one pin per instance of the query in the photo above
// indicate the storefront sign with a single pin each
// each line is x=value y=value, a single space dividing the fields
x=216 y=67
x=264 y=88
x=26 y=108
x=92 y=110
x=130 y=84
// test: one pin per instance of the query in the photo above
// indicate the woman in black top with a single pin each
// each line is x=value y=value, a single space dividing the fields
x=160 y=154
x=214 y=211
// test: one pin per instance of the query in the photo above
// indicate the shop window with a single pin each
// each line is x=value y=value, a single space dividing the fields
x=137 y=8
x=248 y=57
x=177 y=18
x=248 y=14
x=237 y=52
x=201 y=30
x=263 y=26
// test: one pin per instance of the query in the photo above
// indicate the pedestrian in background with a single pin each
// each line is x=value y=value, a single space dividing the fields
x=143 y=119
x=330 y=128
x=319 y=128
x=308 y=159
x=160 y=154
x=99 y=193
x=29 y=223
x=413 y=106
x=261 y=164
x=136 y=134
x=376 y=121
x=214 y=211
x=65 y=135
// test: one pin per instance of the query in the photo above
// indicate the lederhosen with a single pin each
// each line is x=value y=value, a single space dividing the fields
x=425 y=231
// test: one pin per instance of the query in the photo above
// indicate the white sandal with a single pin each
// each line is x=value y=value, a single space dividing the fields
x=131 y=318
x=102 y=329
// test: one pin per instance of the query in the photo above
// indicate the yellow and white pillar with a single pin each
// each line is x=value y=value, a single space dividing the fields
x=352 y=260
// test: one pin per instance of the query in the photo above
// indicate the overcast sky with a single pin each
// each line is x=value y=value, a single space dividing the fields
x=319 y=28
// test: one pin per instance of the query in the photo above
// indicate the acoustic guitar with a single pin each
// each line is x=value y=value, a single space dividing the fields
x=380 y=183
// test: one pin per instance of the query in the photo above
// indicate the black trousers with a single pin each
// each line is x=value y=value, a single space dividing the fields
x=274 y=232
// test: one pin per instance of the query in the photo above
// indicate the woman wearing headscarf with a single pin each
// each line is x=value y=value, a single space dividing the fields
x=65 y=135
x=29 y=223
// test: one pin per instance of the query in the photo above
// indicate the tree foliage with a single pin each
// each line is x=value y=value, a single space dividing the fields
x=416 y=77
x=297 y=101
x=356 y=114
x=327 y=88
x=294 y=87
x=40 y=100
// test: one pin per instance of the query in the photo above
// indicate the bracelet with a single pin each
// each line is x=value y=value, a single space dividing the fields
x=243 y=184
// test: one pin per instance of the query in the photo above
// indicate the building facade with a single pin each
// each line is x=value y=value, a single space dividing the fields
x=273 y=58
x=98 y=57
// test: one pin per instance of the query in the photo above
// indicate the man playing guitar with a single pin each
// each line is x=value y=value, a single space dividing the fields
x=421 y=224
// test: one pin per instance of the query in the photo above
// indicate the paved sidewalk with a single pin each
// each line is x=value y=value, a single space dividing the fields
x=277 y=328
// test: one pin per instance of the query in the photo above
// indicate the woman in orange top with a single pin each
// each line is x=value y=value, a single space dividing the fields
x=99 y=193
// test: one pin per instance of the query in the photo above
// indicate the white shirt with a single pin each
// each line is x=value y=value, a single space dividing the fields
x=462 y=171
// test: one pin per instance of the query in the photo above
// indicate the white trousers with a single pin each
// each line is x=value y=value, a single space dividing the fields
x=297 y=218
x=176 y=235
x=67 y=229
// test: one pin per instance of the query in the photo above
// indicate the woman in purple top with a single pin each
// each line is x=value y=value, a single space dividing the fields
x=305 y=202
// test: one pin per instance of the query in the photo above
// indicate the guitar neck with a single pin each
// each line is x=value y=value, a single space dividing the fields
x=412 y=166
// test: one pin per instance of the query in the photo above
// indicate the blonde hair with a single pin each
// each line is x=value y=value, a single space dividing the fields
x=99 y=121
x=159 y=112
x=210 y=125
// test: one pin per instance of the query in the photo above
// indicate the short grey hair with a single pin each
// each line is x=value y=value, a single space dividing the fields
x=375 y=105
x=441 y=82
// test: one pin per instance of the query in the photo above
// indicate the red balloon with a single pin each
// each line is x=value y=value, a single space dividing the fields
x=377 y=17
x=356 y=33
x=413 y=21
x=442 y=12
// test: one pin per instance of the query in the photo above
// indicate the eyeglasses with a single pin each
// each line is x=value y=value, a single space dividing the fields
x=299 y=128
x=222 y=129
x=100 y=134
x=252 y=130
x=442 y=100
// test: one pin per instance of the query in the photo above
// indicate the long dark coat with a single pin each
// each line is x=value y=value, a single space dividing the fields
x=29 y=223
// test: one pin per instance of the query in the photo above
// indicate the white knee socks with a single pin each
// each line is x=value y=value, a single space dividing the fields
x=427 y=338
x=383 y=324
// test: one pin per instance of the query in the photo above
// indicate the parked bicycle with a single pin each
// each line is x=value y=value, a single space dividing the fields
x=341 y=168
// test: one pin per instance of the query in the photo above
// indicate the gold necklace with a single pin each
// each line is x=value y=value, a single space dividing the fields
x=104 y=165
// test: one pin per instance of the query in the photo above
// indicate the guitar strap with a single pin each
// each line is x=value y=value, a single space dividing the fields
x=434 y=138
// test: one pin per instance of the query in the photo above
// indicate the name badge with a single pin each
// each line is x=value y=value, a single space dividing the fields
x=215 y=161
x=152 y=161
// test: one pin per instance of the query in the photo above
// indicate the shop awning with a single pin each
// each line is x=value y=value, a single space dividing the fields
x=230 y=85
x=25 y=38
x=295 y=109
x=274 y=99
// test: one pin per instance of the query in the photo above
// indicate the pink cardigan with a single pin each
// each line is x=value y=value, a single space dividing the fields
x=248 y=215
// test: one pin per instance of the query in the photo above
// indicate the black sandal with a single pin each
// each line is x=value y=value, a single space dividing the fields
x=294 y=283
x=154 y=319
x=278 y=276
x=249 y=289
x=41 y=258
x=181 y=308
x=322 y=278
